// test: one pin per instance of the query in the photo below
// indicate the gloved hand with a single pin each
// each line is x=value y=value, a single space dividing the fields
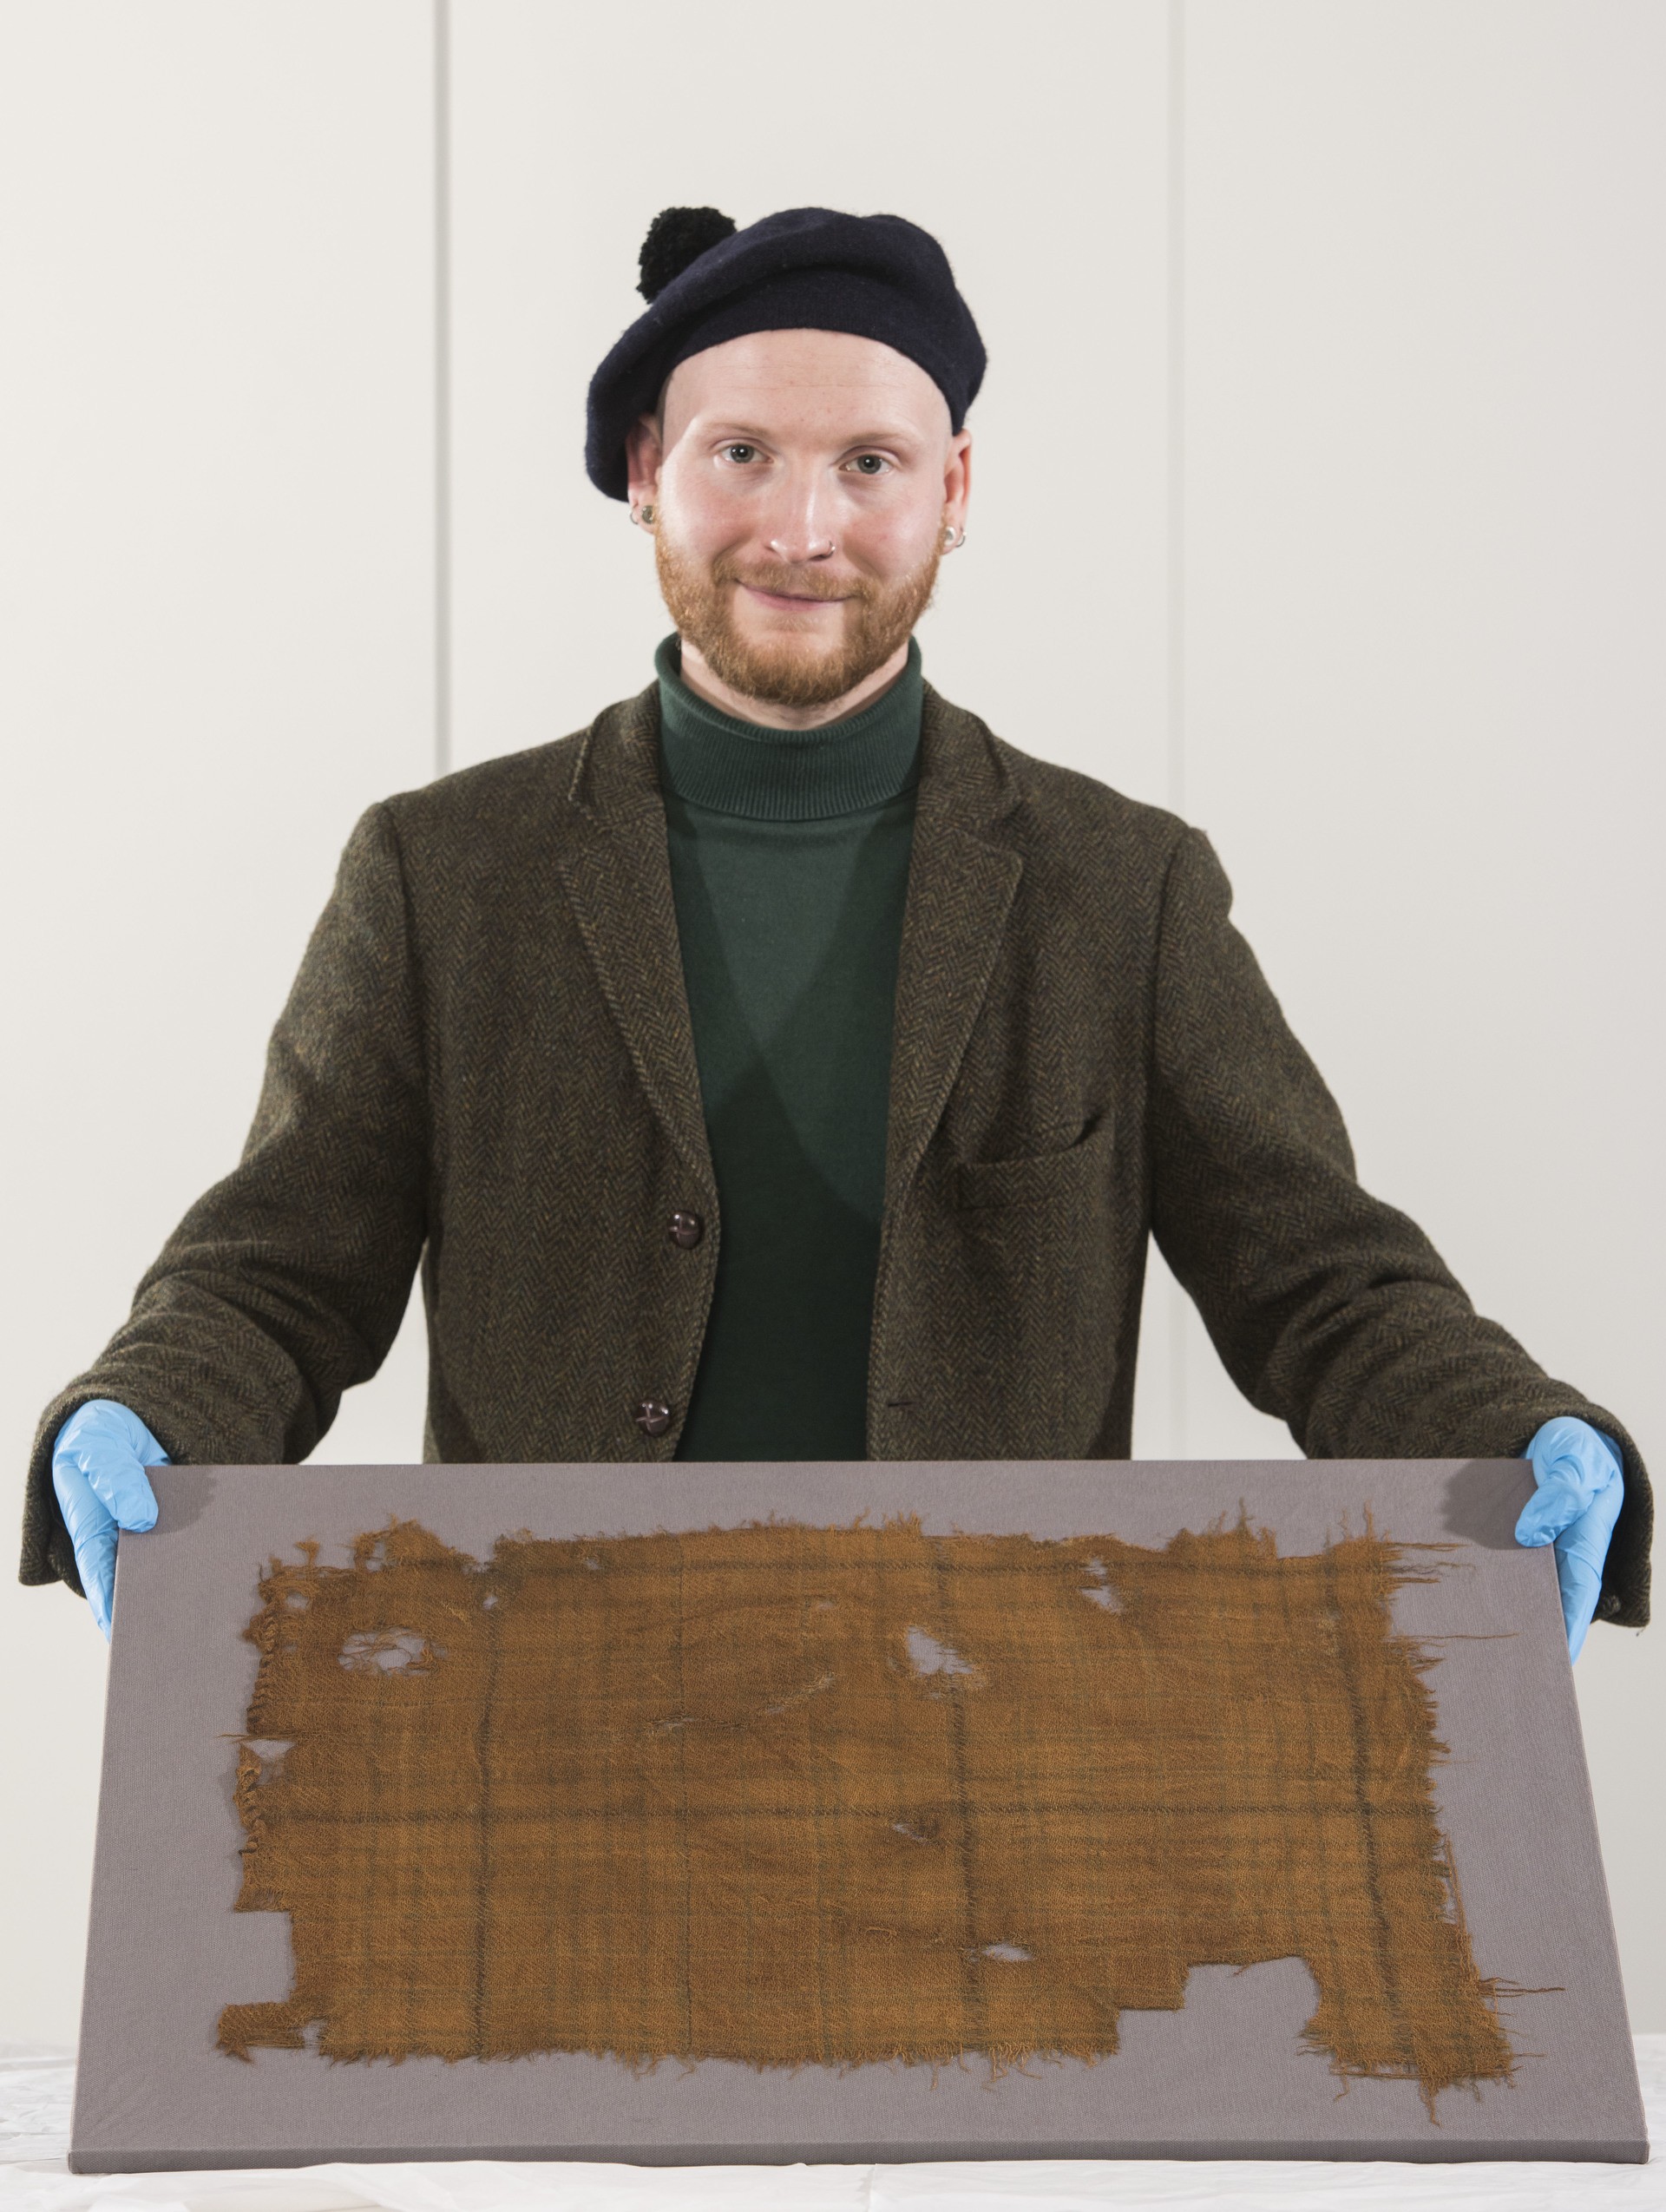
x=98 y=1470
x=1580 y=1492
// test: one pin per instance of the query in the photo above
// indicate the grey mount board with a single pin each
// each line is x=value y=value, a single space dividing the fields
x=1223 y=2078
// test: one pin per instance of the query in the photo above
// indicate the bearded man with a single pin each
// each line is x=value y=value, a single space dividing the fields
x=786 y=1067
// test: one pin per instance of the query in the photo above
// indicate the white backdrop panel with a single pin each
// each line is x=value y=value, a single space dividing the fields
x=1426 y=668
x=218 y=584
x=1035 y=147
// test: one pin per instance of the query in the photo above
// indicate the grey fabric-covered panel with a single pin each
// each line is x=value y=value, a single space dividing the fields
x=1223 y=2078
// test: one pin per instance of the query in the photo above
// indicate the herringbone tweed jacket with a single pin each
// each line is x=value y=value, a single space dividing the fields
x=486 y=1066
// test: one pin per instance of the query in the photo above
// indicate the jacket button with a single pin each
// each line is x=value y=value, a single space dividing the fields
x=687 y=1230
x=652 y=1417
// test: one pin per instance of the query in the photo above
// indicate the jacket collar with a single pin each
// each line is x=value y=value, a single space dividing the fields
x=963 y=780
x=962 y=876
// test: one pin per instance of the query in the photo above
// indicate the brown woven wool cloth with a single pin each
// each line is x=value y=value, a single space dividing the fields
x=788 y=1794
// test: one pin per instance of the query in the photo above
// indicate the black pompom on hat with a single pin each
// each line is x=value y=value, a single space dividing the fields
x=677 y=237
x=808 y=268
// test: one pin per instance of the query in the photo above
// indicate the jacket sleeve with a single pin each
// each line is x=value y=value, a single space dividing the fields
x=1329 y=1309
x=286 y=1283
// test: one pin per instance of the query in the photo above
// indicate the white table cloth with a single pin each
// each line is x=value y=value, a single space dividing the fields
x=36 y=2086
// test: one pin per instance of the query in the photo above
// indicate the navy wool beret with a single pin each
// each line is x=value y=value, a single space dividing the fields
x=808 y=268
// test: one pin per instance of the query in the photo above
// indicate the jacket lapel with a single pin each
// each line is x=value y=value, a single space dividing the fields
x=617 y=872
x=961 y=888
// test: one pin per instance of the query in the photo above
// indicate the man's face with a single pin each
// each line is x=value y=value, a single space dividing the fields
x=803 y=480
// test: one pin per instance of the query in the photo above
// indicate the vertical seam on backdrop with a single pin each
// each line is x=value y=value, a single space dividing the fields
x=1177 y=403
x=442 y=124
x=1178 y=1316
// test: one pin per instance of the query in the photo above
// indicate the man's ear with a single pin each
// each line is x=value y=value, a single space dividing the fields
x=644 y=452
x=957 y=479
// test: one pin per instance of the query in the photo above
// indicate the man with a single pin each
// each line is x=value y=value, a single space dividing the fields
x=785 y=1068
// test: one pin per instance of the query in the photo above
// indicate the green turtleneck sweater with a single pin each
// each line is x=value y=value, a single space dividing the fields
x=788 y=867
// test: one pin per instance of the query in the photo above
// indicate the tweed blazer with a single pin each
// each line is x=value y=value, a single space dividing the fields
x=486 y=1068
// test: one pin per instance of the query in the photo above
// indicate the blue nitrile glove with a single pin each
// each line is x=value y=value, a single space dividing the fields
x=1580 y=1492
x=98 y=1470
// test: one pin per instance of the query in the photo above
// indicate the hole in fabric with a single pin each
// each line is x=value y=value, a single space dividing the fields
x=914 y=1835
x=1013 y=1953
x=930 y=1657
x=490 y=1598
x=295 y=1602
x=822 y=1605
x=593 y=1564
x=1107 y=1597
x=269 y=1751
x=388 y=1650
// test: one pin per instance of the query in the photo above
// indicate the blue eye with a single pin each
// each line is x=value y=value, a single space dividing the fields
x=742 y=453
x=870 y=464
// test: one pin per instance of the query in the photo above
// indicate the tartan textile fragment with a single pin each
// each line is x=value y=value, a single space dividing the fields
x=787 y=1794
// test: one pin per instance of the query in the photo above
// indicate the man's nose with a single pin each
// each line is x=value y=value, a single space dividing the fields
x=801 y=547
x=802 y=526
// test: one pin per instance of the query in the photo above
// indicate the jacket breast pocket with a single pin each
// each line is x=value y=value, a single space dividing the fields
x=1036 y=1178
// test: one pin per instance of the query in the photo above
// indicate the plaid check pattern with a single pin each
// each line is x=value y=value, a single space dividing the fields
x=792 y=1795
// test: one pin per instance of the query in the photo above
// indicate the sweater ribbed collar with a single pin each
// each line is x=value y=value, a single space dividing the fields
x=714 y=760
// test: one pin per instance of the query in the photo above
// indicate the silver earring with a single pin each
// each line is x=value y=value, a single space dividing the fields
x=643 y=517
x=952 y=540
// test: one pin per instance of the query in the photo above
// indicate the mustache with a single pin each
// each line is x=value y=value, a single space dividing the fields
x=793 y=583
